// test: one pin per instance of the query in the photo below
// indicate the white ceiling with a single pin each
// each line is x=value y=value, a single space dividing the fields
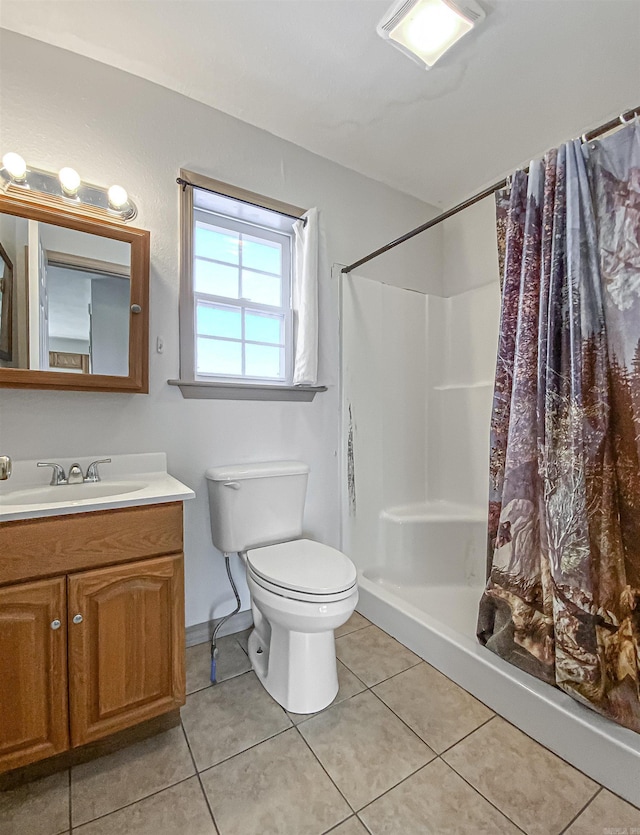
x=314 y=72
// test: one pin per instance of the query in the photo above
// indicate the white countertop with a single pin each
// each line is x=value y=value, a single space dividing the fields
x=146 y=473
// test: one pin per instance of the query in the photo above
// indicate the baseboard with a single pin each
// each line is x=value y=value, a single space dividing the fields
x=201 y=632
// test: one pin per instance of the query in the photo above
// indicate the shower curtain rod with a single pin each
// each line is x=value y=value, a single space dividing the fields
x=619 y=121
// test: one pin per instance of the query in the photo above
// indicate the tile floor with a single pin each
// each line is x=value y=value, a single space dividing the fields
x=401 y=751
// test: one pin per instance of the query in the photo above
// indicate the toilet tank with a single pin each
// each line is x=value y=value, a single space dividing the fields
x=256 y=504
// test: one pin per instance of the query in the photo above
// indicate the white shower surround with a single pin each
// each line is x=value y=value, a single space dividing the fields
x=417 y=385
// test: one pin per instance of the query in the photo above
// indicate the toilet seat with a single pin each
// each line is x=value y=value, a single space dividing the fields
x=303 y=570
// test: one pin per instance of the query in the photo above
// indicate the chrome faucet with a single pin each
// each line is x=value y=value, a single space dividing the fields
x=59 y=476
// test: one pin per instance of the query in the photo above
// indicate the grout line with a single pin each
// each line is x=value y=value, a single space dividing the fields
x=415 y=733
x=317 y=759
x=479 y=793
x=197 y=774
x=481 y=725
x=133 y=802
x=244 y=750
x=395 y=786
x=328 y=707
x=588 y=803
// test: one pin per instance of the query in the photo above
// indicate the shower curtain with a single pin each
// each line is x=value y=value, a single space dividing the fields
x=562 y=599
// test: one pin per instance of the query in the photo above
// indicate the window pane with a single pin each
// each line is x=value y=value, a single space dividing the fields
x=259 y=254
x=263 y=289
x=212 y=242
x=216 y=279
x=263 y=361
x=260 y=327
x=219 y=321
x=217 y=357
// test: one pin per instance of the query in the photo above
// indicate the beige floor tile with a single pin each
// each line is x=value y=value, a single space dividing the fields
x=348 y=685
x=243 y=638
x=179 y=810
x=373 y=655
x=606 y=812
x=109 y=783
x=226 y=719
x=364 y=747
x=231 y=661
x=39 y=808
x=537 y=790
x=276 y=788
x=350 y=827
x=435 y=707
x=435 y=801
x=355 y=622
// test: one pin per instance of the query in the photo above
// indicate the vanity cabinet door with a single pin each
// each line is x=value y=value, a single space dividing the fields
x=126 y=645
x=33 y=672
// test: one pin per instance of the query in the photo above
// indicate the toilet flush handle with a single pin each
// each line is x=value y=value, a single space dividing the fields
x=234 y=485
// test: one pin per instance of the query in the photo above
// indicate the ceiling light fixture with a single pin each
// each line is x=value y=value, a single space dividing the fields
x=65 y=189
x=425 y=29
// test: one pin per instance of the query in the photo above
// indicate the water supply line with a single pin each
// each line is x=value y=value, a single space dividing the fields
x=222 y=621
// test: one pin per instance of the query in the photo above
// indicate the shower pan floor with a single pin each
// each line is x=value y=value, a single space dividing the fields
x=453 y=605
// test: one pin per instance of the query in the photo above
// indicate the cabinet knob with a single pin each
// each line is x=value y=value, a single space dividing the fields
x=77 y=618
x=55 y=624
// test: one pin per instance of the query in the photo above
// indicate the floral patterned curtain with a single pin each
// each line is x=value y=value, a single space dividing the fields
x=562 y=599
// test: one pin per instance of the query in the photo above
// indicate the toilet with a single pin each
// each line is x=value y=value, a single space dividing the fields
x=300 y=590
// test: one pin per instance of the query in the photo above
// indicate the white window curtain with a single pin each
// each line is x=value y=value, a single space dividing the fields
x=305 y=299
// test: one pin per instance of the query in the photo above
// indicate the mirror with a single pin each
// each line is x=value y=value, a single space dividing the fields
x=74 y=297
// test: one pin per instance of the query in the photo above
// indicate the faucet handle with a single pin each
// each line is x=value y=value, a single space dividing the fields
x=92 y=469
x=5 y=467
x=58 y=476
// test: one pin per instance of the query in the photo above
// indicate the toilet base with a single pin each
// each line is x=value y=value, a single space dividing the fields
x=298 y=669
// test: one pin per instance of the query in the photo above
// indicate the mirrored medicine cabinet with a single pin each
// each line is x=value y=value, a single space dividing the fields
x=74 y=293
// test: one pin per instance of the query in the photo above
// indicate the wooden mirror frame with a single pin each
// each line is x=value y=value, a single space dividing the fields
x=138 y=379
x=6 y=314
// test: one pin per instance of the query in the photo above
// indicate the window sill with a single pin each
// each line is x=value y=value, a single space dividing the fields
x=202 y=390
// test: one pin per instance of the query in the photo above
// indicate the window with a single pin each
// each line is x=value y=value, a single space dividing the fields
x=240 y=336
x=242 y=300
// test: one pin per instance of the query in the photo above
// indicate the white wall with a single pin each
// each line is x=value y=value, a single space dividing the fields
x=418 y=374
x=61 y=109
x=463 y=334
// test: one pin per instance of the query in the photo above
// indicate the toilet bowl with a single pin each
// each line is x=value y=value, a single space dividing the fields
x=292 y=647
x=301 y=590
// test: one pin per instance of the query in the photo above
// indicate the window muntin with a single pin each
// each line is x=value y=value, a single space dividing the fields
x=242 y=300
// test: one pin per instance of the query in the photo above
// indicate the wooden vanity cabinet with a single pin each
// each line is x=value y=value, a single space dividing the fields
x=96 y=650
x=122 y=654
x=34 y=719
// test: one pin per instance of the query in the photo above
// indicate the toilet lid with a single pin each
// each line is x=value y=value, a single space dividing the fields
x=303 y=565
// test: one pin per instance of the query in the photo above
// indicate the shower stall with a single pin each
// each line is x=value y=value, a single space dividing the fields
x=417 y=386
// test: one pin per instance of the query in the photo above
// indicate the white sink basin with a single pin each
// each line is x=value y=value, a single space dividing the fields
x=70 y=492
x=132 y=480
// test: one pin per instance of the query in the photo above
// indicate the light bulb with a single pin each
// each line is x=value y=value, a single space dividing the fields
x=432 y=27
x=118 y=197
x=14 y=165
x=69 y=180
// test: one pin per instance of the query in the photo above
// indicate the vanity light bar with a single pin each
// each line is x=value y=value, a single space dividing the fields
x=64 y=188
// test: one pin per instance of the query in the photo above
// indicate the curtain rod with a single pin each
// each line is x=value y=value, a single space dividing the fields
x=622 y=119
x=184 y=183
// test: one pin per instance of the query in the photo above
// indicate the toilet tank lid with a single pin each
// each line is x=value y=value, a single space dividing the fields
x=266 y=469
